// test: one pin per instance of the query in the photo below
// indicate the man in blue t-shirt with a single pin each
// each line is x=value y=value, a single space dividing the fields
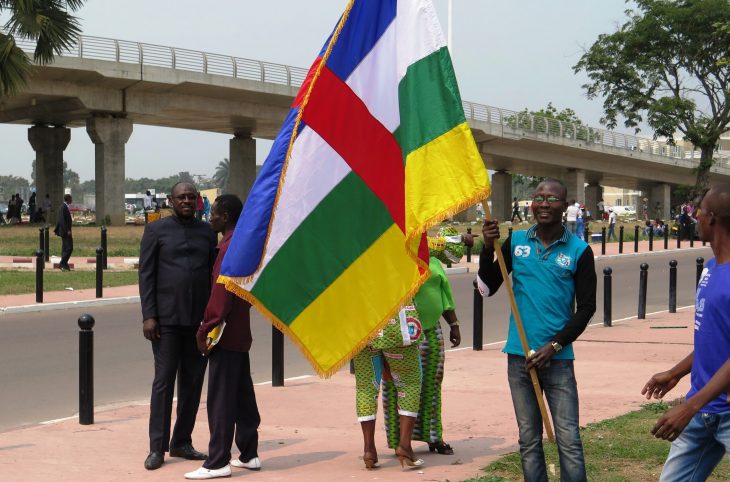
x=699 y=428
x=551 y=268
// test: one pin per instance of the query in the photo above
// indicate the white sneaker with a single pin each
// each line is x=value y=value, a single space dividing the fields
x=202 y=473
x=253 y=464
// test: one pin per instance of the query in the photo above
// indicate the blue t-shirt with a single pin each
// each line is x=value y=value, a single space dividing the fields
x=712 y=331
x=544 y=286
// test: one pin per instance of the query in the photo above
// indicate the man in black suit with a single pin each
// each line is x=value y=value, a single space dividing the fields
x=63 y=229
x=175 y=264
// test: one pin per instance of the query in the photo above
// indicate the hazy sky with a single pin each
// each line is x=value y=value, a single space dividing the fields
x=509 y=54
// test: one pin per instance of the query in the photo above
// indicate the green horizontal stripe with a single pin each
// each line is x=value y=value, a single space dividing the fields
x=344 y=224
x=430 y=104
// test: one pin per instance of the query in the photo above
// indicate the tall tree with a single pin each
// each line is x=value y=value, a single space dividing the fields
x=667 y=66
x=45 y=22
x=222 y=172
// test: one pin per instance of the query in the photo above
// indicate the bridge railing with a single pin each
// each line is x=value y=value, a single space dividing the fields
x=99 y=48
x=590 y=135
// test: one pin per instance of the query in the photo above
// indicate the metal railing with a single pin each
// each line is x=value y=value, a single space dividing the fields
x=99 y=48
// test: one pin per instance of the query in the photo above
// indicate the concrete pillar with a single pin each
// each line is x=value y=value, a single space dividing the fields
x=660 y=193
x=242 y=168
x=467 y=215
x=501 y=196
x=575 y=181
x=594 y=192
x=109 y=135
x=49 y=144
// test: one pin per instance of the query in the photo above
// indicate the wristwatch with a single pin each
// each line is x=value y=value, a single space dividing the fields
x=556 y=346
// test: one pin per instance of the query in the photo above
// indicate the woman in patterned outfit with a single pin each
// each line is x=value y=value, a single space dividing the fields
x=433 y=300
x=395 y=351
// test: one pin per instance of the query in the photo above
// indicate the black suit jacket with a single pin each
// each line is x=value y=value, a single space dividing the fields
x=175 y=265
x=63 y=225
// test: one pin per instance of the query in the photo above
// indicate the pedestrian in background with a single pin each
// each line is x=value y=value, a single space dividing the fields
x=611 y=224
x=699 y=428
x=515 y=211
x=31 y=208
x=199 y=207
x=175 y=267
x=63 y=229
x=231 y=399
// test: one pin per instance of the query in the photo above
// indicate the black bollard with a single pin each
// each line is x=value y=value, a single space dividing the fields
x=607 y=296
x=104 y=264
x=679 y=238
x=700 y=267
x=651 y=238
x=99 y=273
x=277 y=357
x=509 y=232
x=603 y=240
x=352 y=367
x=46 y=244
x=39 y=265
x=41 y=240
x=673 y=286
x=587 y=234
x=86 y=370
x=621 y=240
x=691 y=238
x=636 y=238
x=666 y=236
x=478 y=319
x=643 y=275
x=468 y=254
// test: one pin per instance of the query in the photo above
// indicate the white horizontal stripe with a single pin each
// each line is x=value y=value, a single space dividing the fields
x=313 y=171
x=414 y=34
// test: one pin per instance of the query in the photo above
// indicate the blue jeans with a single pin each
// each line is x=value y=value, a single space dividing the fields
x=557 y=380
x=699 y=448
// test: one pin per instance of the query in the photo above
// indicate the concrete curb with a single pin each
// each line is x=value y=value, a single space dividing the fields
x=65 y=305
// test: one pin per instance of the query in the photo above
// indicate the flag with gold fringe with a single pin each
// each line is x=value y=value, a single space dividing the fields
x=374 y=151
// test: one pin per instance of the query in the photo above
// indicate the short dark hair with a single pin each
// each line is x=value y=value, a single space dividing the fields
x=174 y=186
x=552 y=180
x=231 y=205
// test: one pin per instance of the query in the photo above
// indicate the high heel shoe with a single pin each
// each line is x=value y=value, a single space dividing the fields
x=406 y=461
x=370 y=461
x=441 y=447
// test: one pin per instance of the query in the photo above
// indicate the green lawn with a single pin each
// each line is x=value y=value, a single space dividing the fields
x=616 y=450
x=23 y=240
x=14 y=282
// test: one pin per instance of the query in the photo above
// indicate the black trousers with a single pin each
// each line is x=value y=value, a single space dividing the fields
x=231 y=406
x=175 y=354
x=67 y=247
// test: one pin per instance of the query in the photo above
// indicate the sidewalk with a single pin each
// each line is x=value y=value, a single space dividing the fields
x=309 y=430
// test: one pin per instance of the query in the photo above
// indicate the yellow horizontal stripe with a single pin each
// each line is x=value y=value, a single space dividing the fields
x=368 y=293
x=444 y=177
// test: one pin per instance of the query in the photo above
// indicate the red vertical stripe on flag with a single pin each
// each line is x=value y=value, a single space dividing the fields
x=341 y=118
x=305 y=85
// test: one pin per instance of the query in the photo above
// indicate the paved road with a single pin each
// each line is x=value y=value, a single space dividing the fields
x=39 y=351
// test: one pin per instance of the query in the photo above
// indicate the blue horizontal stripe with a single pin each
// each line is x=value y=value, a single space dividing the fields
x=367 y=21
x=247 y=244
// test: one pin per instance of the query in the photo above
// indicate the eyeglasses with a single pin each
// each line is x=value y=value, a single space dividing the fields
x=549 y=199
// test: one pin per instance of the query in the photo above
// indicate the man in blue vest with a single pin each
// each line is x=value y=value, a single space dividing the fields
x=699 y=428
x=551 y=268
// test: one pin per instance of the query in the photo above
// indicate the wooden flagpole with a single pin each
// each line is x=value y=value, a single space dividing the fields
x=520 y=329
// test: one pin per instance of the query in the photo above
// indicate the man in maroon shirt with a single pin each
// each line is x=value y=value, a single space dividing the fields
x=231 y=399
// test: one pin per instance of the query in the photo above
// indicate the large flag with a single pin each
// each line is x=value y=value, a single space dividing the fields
x=375 y=150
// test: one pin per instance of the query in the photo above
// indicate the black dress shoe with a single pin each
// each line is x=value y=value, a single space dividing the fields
x=187 y=452
x=154 y=460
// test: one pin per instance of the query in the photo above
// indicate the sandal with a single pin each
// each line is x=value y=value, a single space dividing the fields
x=370 y=461
x=440 y=447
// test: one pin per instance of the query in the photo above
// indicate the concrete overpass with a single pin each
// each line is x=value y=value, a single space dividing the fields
x=109 y=85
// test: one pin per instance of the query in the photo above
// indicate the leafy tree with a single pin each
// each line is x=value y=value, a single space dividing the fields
x=222 y=173
x=71 y=178
x=10 y=185
x=667 y=66
x=524 y=186
x=47 y=23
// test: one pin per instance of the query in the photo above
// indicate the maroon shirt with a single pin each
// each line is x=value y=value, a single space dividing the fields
x=224 y=305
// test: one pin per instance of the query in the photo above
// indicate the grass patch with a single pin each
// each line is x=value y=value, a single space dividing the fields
x=22 y=282
x=621 y=449
x=23 y=240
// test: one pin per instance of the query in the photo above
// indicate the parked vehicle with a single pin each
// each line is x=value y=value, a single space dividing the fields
x=624 y=210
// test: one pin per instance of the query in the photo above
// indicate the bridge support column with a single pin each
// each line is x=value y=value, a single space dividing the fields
x=502 y=195
x=661 y=194
x=49 y=144
x=109 y=135
x=575 y=181
x=242 y=165
x=594 y=192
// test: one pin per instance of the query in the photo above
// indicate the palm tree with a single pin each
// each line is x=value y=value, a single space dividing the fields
x=222 y=171
x=47 y=23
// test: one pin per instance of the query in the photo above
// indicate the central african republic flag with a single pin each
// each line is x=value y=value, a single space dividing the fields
x=374 y=151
